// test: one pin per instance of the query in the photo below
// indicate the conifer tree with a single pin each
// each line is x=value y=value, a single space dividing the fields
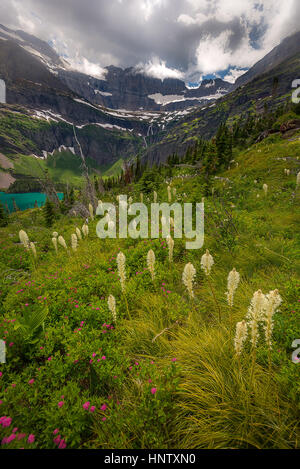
x=138 y=169
x=49 y=213
x=71 y=198
x=210 y=161
x=3 y=216
x=16 y=208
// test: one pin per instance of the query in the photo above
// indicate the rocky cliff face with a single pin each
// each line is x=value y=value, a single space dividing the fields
x=132 y=90
x=128 y=89
x=33 y=45
x=33 y=90
x=29 y=135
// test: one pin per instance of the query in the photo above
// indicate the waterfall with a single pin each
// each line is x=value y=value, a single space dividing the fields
x=2 y=92
x=150 y=129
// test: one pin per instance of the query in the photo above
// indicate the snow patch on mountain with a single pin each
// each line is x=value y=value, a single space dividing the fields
x=166 y=99
x=210 y=84
x=10 y=34
x=103 y=93
x=105 y=126
x=60 y=149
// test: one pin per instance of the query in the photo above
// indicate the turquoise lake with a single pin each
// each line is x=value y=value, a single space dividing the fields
x=25 y=201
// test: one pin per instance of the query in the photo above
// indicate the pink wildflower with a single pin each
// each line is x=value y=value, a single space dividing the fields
x=56 y=440
x=31 y=439
x=62 y=445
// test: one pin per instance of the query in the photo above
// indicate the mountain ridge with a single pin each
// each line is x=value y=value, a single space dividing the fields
x=44 y=95
x=286 y=49
x=128 y=88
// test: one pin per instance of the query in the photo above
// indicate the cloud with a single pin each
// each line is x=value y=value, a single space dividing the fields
x=215 y=54
x=83 y=65
x=157 y=68
x=188 y=20
x=233 y=74
x=193 y=37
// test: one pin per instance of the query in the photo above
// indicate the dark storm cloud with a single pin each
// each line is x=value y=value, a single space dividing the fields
x=130 y=32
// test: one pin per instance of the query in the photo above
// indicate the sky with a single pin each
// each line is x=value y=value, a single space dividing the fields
x=185 y=39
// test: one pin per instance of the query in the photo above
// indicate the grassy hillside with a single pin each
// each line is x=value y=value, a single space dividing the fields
x=164 y=374
x=24 y=138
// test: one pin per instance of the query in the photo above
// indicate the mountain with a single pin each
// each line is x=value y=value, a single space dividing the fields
x=289 y=47
x=250 y=99
x=40 y=113
x=34 y=46
x=128 y=89
x=46 y=99
x=123 y=114
x=42 y=101
x=132 y=90
x=18 y=66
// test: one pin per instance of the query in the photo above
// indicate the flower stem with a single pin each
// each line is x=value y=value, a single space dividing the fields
x=127 y=308
x=253 y=363
x=214 y=296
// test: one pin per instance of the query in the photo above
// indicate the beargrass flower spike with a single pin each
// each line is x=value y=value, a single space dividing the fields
x=33 y=249
x=91 y=210
x=273 y=301
x=112 y=307
x=24 y=239
x=207 y=262
x=62 y=242
x=255 y=315
x=85 y=230
x=121 y=263
x=170 y=243
x=78 y=233
x=232 y=284
x=240 y=337
x=188 y=278
x=54 y=241
x=151 y=264
x=74 y=242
